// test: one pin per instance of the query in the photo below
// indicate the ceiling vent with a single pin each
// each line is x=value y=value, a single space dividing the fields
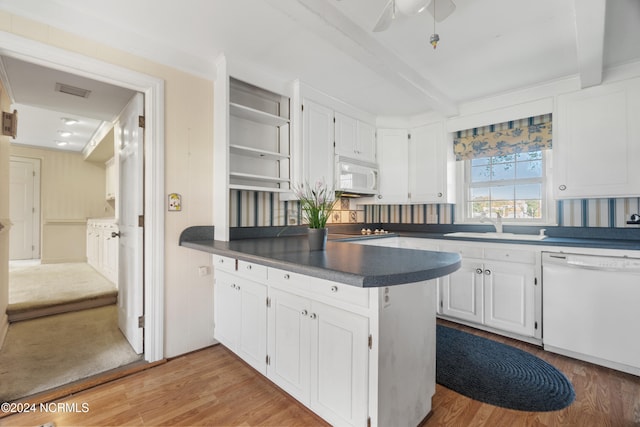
x=72 y=90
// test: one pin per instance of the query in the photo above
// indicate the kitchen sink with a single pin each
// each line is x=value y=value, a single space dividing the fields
x=495 y=235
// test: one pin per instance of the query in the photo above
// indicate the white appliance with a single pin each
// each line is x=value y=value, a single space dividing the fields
x=356 y=177
x=591 y=308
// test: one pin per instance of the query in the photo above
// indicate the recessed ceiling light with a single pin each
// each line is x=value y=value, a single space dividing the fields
x=61 y=143
x=64 y=133
x=68 y=121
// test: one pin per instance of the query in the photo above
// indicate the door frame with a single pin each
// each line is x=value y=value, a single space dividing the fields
x=153 y=89
x=37 y=218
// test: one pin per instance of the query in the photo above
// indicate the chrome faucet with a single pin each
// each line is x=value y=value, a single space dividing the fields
x=497 y=223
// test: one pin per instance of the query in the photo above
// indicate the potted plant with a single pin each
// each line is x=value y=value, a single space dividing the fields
x=317 y=203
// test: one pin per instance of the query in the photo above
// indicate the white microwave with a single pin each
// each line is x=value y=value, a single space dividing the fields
x=356 y=177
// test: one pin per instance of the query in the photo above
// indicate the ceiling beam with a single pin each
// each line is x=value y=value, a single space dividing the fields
x=331 y=25
x=590 y=23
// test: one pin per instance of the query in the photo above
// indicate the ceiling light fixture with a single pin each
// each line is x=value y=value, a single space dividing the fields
x=67 y=121
x=64 y=133
x=435 y=38
x=61 y=143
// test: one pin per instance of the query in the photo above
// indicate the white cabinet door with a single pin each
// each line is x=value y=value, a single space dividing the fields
x=339 y=365
x=509 y=293
x=317 y=140
x=596 y=149
x=366 y=142
x=252 y=340
x=462 y=292
x=428 y=165
x=111 y=179
x=226 y=299
x=289 y=343
x=110 y=253
x=393 y=155
x=346 y=135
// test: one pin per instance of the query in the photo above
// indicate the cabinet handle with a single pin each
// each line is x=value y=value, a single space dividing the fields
x=233 y=286
x=334 y=288
x=237 y=288
x=249 y=267
x=479 y=270
x=439 y=194
x=286 y=276
x=379 y=196
x=304 y=312
x=313 y=316
x=487 y=272
x=114 y=234
x=562 y=187
x=221 y=261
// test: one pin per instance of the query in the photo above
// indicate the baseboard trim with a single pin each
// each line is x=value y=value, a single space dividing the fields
x=4 y=328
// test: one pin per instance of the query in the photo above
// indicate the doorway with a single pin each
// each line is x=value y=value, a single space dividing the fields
x=152 y=89
x=24 y=205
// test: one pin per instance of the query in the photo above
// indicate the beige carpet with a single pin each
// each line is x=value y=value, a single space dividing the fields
x=48 y=352
x=38 y=290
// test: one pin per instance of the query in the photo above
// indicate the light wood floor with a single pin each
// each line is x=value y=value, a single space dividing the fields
x=212 y=387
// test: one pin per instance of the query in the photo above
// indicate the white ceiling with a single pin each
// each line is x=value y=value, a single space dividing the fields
x=486 y=47
x=41 y=109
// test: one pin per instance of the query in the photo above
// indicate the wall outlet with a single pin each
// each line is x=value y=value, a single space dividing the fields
x=204 y=270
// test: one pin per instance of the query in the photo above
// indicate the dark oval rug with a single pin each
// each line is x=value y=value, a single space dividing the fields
x=498 y=374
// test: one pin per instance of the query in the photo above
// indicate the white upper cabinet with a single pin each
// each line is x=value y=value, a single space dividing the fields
x=317 y=142
x=597 y=142
x=354 y=138
x=416 y=166
x=393 y=151
x=431 y=165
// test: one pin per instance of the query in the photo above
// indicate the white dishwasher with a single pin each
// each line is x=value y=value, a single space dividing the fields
x=591 y=308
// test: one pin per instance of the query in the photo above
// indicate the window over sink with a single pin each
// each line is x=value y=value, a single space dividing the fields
x=504 y=171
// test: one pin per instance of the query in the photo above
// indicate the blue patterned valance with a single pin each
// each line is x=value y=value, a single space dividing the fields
x=518 y=136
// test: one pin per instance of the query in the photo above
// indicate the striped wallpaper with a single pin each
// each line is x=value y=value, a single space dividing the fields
x=259 y=209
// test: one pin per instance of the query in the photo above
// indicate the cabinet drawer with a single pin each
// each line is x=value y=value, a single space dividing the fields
x=315 y=287
x=224 y=263
x=466 y=251
x=252 y=271
x=511 y=255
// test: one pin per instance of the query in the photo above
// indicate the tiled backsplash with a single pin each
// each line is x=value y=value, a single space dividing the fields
x=259 y=209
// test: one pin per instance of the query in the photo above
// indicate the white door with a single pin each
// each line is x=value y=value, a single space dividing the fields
x=289 y=345
x=23 y=205
x=130 y=208
x=509 y=297
x=462 y=292
x=346 y=135
x=317 y=128
x=339 y=365
x=393 y=155
x=252 y=345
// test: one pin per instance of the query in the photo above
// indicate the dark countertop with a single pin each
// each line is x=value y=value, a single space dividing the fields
x=344 y=262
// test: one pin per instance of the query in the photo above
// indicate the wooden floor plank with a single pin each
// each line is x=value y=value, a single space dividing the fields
x=213 y=387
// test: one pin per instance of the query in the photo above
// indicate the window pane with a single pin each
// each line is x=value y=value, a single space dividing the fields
x=477 y=208
x=533 y=155
x=480 y=161
x=504 y=159
x=481 y=173
x=478 y=194
x=504 y=171
x=529 y=209
x=503 y=192
x=529 y=191
x=529 y=169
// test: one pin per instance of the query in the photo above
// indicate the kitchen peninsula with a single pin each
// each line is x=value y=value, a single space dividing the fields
x=349 y=331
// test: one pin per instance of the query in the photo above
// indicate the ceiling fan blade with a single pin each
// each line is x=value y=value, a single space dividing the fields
x=386 y=17
x=444 y=8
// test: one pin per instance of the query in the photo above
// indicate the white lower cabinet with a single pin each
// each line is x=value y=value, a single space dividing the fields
x=319 y=355
x=102 y=247
x=497 y=286
x=354 y=356
x=461 y=292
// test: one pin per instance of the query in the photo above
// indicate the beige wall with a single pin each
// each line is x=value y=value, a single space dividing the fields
x=72 y=190
x=188 y=171
x=4 y=219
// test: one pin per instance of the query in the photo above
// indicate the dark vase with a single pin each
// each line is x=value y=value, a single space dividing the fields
x=317 y=238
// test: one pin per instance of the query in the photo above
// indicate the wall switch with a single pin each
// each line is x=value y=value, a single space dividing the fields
x=204 y=271
x=386 y=298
